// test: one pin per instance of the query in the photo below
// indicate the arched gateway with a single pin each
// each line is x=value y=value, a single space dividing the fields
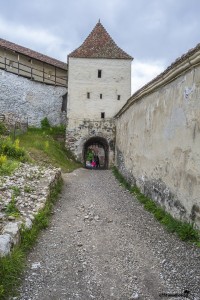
x=96 y=135
x=100 y=148
x=99 y=84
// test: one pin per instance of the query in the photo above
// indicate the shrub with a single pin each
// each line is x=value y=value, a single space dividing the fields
x=12 y=149
x=3 y=159
x=8 y=167
x=45 y=123
x=2 y=128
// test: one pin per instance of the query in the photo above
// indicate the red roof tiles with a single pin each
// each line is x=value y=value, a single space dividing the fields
x=33 y=54
x=99 y=44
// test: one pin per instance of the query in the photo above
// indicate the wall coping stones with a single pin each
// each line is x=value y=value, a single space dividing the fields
x=30 y=187
x=12 y=228
x=181 y=65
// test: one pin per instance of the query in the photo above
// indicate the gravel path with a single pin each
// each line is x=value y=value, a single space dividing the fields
x=101 y=244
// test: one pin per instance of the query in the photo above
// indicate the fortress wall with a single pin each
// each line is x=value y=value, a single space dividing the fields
x=21 y=98
x=158 y=139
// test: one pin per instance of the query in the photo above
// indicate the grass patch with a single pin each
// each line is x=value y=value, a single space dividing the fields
x=8 y=167
x=11 y=149
x=11 y=209
x=44 y=148
x=121 y=179
x=28 y=189
x=185 y=231
x=10 y=155
x=12 y=266
x=3 y=128
x=10 y=270
x=16 y=191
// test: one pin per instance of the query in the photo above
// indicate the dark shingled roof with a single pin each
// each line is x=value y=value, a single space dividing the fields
x=33 y=54
x=99 y=44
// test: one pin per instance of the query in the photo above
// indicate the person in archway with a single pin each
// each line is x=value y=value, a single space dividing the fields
x=97 y=161
x=93 y=164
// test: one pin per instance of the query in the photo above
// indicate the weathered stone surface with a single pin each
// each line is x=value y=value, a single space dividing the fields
x=2 y=216
x=34 y=184
x=22 y=98
x=5 y=244
x=13 y=230
x=28 y=223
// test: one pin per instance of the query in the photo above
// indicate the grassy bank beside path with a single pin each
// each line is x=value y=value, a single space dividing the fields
x=48 y=147
x=41 y=146
x=184 y=230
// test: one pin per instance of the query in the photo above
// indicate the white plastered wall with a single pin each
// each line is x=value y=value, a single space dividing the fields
x=83 y=79
x=158 y=144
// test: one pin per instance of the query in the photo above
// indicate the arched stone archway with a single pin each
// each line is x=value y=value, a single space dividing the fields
x=101 y=143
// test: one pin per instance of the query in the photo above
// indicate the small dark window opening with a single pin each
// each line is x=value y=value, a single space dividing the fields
x=101 y=96
x=102 y=115
x=99 y=73
x=118 y=97
x=88 y=95
x=64 y=103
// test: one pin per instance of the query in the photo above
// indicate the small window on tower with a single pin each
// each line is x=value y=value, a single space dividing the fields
x=118 y=97
x=101 y=96
x=102 y=115
x=88 y=95
x=99 y=73
x=64 y=103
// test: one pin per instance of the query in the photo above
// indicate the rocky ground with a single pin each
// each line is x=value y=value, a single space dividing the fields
x=101 y=244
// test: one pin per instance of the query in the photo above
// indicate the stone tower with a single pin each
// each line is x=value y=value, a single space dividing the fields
x=99 y=84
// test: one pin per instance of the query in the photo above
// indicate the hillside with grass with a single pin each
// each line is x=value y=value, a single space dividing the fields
x=47 y=147
x=42 y=146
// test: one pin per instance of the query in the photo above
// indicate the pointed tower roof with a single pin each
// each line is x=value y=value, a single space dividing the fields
x=99 y=44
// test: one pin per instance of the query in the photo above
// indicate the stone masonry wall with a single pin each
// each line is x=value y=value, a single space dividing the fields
x=21 y=98
x=158 y=141
x=83 y=130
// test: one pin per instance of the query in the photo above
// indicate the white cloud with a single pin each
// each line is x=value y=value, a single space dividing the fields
x=144 y=71
x=37 y=39
x=40 y=36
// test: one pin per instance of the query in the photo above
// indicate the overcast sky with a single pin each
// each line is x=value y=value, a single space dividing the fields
x=154 y=32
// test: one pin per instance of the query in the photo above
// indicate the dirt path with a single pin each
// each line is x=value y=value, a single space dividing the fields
x=101 y=244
